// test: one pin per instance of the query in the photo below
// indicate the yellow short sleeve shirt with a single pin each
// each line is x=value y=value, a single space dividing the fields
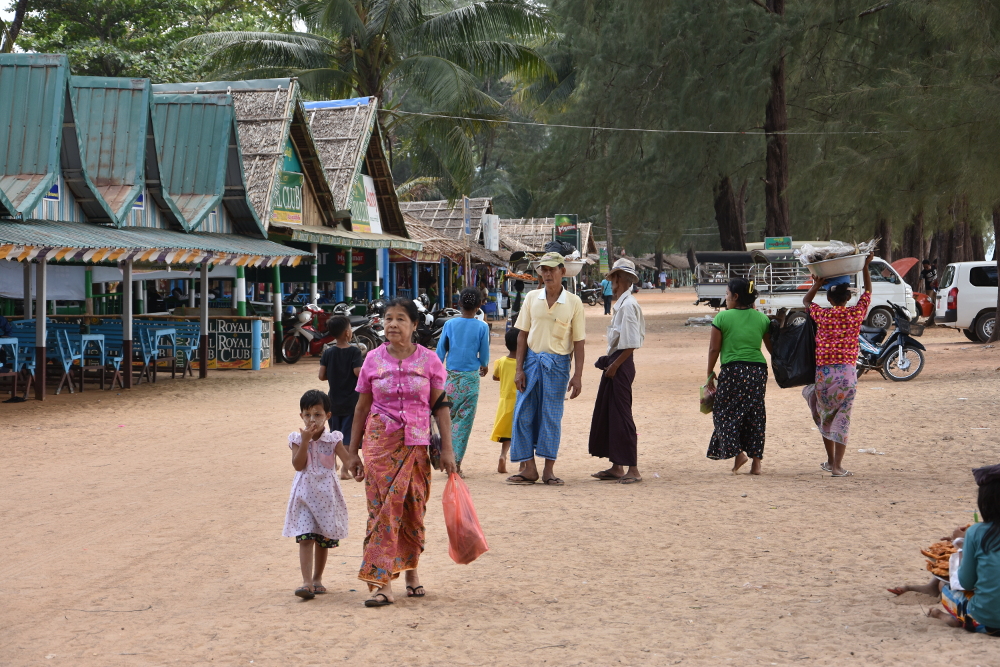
x=552 y=330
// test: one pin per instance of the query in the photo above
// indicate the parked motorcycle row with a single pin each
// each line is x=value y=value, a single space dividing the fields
x=306 y=332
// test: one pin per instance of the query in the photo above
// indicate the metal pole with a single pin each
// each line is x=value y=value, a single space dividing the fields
x=142 y=298
x=40 y=356
x=314 y=274
x=441 y=269
x=276 y=300
x=348 y=275
x=203 y=343
x=191 y=303
x=127 y=323
x=88 y=290
x=241 y=291
x=415 y=281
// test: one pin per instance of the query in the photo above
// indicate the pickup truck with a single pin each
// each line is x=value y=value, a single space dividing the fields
x=967 y=299
x=781 y=282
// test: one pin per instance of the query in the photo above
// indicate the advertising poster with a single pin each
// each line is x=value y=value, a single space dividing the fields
x=286 y=202
x=568 y=230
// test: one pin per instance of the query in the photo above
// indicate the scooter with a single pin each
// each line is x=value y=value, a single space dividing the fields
x=591 y=295
x=302 y=337
x=901 y=357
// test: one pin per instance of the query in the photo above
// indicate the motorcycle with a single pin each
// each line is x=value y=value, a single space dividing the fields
x=302 y=337
x=901 y=357
x=591 y=295
x=431 y=322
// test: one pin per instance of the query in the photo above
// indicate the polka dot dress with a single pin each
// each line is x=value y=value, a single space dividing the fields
x=316 y=504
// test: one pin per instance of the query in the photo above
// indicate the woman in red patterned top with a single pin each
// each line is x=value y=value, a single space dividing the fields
x=832 y=397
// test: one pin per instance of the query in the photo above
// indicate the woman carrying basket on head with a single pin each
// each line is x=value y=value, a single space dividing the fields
x=837 y=329
x=738 y=414
x=399 y=383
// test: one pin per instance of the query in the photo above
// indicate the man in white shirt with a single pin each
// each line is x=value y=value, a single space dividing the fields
x=663 y=281
x=612 y=429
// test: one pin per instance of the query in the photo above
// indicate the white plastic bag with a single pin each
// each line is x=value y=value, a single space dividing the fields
x=809 y=253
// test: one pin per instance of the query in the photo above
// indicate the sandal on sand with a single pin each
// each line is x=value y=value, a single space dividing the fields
x=847 y=473
x=630 y=480
x=305 y=592
x=375 y=602
x=411 y=591
x=825 y=466
x=553 y=481
x=319 y=589
x=605 y=475
x=520 y=480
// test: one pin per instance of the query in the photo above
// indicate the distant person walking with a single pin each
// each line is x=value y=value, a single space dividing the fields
x=832 y=397
x=663 y=281
x=607 y=291
x=739 y=414
x=465 y=348
x=612 y=428
x=503 y=372
x=552 y=327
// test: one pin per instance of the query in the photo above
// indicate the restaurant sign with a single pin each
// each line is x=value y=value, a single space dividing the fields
x=231 y=343
x=286 y=201
x=364 y=206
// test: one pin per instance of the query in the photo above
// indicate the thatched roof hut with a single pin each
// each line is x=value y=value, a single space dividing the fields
x=349 y=140
x=274 y=137
x=448 y=218
x=436 y=246
x=531 y=235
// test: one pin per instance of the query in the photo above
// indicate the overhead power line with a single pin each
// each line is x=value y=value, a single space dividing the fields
x=759 y=133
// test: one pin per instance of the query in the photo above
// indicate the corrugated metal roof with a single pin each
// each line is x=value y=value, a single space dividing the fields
x=29 y=239
x=347 y=239
x=31 y=115
x=112 y=117
x=199 y=158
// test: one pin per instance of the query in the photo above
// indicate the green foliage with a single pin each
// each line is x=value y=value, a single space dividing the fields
x=135 y=38
x=413 y=55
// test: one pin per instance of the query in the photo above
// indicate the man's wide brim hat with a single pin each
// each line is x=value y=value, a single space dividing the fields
x=627 y=268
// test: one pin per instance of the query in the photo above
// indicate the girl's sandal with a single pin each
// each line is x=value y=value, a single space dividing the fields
x=319 y=589
x=411 y=591
x=305 y=592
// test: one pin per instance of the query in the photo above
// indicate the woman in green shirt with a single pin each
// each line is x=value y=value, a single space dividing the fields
x=739 y=415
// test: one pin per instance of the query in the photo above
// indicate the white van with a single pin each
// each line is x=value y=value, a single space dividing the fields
x=786 y=291
x=967 y=299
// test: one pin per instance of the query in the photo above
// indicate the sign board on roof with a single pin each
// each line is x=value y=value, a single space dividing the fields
x=567 y=230
x=53 y=193
x=286 y=201
x=467 y=214
x=364 y=206
x=778 y=243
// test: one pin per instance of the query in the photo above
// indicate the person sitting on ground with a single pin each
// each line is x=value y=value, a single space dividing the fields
x=831 y=398
x=977 y=607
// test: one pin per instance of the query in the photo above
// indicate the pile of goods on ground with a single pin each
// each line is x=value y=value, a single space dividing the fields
x=938 y=555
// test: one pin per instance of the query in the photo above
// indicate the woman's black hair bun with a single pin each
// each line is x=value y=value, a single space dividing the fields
x=470 y=298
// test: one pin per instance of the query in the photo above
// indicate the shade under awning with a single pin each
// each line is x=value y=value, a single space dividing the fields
x=26 y=240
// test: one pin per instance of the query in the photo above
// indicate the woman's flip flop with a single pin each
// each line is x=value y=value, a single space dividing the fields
x=305 y=593
x=520 y=480
x=411 y=592
x=375 y=602
x=847 y=473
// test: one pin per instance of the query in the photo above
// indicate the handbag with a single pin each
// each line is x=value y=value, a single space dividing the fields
x=434 y=443
x=793 y=355
x=707 y=396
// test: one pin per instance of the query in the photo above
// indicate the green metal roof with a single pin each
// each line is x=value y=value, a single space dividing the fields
x=200 y=165
x=112 y=119
x=349 y=239
x=32 y=87
x=56 y=240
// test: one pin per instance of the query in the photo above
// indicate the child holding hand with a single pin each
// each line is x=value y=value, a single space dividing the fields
x=317 y=514
x=503 y=372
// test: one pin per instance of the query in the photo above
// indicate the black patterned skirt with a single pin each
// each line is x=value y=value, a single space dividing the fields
x=739 y=413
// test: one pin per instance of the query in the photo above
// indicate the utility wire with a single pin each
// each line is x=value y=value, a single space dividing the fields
x=759 y=133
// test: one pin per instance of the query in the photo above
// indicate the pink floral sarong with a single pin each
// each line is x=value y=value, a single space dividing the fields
x=831 y=400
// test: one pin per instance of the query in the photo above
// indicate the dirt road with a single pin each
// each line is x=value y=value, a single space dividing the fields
x=144 y=528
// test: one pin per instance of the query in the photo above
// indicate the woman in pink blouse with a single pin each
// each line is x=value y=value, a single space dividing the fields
x=399 y=383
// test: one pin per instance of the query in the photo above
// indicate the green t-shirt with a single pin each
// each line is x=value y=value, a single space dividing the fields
x=742 y=334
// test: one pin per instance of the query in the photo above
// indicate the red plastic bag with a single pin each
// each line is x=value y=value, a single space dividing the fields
x=466 y=541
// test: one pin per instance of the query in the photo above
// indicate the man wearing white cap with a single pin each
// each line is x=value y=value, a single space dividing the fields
x=612 y=429
x=552 y=328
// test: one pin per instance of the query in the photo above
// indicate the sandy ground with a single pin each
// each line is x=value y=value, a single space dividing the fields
x=144 y=528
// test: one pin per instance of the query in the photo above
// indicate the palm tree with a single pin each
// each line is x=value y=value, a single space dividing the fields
x=423 y=56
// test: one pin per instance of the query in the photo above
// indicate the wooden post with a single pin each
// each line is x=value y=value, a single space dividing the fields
x=27 y=291
x=40 y=356
x=127 y=323
x=203 y=343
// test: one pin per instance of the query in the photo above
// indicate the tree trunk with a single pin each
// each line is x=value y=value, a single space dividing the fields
x=658 y=260
x=776 y=222
x=883 y=231
x=12 y=29
x=996 y=258
x=607 y=227
x=730 y=214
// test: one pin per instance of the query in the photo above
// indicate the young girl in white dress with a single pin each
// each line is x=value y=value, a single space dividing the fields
x=317 y=513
